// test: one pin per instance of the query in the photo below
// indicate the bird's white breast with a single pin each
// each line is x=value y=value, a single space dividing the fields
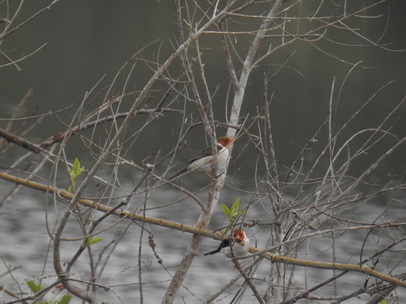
x=204 y=163
x=238 y=249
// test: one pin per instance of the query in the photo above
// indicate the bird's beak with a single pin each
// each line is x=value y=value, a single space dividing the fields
x=240 y=239
x=241 y=242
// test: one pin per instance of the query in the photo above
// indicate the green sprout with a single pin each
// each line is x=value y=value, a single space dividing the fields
x=74 y=174
x=91 y=241
x=232 y=213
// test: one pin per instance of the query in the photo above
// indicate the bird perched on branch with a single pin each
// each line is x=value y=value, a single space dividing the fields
x=236 y=246
x=204 y=160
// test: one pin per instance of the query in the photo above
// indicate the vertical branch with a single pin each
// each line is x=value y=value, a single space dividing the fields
x=216 y=186
x=248 y=66
x=240 y=85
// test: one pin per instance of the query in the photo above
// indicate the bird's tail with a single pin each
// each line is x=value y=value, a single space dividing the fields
x=212 y=252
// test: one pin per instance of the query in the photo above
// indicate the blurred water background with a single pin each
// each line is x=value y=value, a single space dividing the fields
x=88 y=40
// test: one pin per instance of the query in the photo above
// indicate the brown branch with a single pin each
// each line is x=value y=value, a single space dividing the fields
x=338 y=266
x=10 y=137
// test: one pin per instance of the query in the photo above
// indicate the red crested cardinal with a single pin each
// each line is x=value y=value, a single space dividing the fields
x=203 y=161
x=236 y=246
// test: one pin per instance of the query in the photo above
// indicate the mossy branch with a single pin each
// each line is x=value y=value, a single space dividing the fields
x=274 y=258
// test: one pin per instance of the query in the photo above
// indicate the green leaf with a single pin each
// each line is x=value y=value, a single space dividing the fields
x=91 y=241
x=33 y=286
x=77 y=169
x=383 y=301
x=74 y=173
x=65 y=299
x=76 y=165
x=235 y=206
x=226 y=210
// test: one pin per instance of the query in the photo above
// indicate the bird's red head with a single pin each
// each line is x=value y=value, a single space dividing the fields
x=225 y=141
x=239 y=235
